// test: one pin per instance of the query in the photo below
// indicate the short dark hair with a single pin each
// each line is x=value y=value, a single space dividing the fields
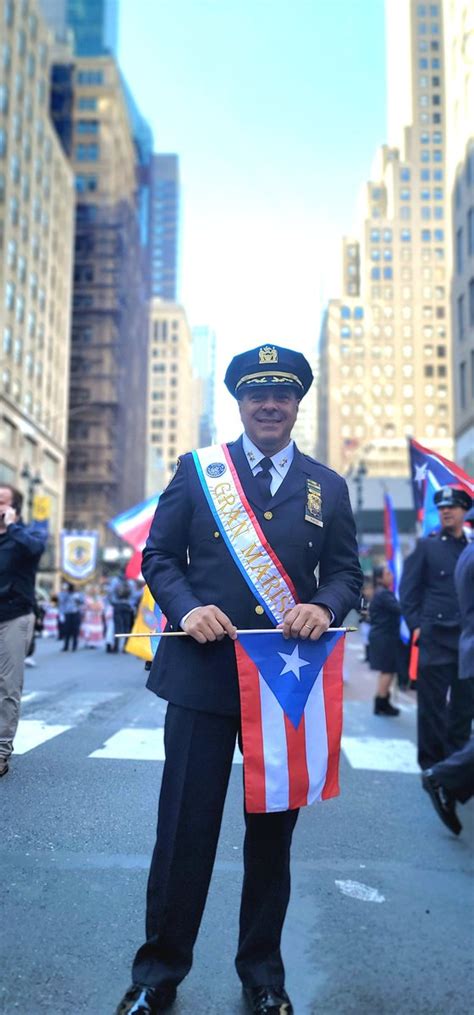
x=17 y=497
x=378 y=573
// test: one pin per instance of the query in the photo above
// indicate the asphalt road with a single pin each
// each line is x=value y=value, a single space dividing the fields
x=381 y=918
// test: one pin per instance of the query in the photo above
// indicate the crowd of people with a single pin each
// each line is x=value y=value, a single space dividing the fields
x=90 y=617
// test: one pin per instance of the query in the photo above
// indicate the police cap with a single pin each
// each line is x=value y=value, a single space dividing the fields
x=268 y=365
x=452 y=496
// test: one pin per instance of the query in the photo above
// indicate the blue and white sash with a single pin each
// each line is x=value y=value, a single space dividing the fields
x=238 y=526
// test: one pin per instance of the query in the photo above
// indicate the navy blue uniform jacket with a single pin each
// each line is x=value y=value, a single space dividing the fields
x=428 y=597
x=186 y=564
x=464 y=581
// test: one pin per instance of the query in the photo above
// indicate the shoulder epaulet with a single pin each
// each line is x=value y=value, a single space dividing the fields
x=314 y=461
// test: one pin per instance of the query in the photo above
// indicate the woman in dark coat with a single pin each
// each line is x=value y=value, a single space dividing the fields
x=384 y=638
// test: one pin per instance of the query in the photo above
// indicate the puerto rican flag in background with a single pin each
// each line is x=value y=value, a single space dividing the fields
x=291 y=708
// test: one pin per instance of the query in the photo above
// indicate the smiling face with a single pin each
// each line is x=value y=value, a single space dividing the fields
x=268 y=416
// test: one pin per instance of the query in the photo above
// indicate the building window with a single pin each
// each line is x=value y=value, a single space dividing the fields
x=87 y=126
x=470 y=231
x=90 y=77
x=87 y=102
x=87 y=152
x=462 y=385
x=471 y=302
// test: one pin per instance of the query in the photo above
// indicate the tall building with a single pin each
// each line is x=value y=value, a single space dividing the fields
x=204 y=369
x=36 y=248
x=459 y=49
x=106 y=471
x=164 y=226
x=172 y=420
x=387 y=338
x=92 y=24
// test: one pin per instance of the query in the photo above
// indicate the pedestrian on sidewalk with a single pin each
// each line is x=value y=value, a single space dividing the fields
x=21 y=547
x=384 y=638
x=301 y=510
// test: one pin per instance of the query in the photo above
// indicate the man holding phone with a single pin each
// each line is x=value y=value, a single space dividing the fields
x=20 y=551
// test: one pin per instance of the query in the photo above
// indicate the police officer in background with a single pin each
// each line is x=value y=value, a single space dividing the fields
x=431 y=608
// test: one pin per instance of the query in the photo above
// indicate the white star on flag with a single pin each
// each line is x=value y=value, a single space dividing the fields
x=293 y=663
x=420 y=473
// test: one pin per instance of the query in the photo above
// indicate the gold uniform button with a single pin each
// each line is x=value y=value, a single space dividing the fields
x=259 y=609
x=216 y=535
x=268 y=515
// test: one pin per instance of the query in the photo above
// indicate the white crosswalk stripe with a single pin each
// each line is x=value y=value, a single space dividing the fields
x=379 y=754
x=32 y=733
x=50 y=719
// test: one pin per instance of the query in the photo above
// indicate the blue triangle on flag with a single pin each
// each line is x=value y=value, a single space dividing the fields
x=290 y=667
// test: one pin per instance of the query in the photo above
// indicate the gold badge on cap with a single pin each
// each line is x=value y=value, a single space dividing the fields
x=314 y=503
x=267 y=354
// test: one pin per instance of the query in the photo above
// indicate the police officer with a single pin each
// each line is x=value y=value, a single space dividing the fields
x=303 y=511
x=430 y=606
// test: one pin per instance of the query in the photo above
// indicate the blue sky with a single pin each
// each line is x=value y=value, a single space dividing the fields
x=275 y=108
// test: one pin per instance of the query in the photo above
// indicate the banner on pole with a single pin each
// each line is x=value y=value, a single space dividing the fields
x=79 y=555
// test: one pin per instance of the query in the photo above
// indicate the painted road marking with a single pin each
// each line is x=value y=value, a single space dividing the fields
x=381 y=755
x=138 y=744
x=32 y=733
x=357 y=890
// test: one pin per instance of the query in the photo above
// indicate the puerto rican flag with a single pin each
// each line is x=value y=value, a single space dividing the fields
x=133 y=527
x=429 y=471
x=291 y=707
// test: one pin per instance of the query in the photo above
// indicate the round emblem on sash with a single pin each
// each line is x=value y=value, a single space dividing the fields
x=216 y=469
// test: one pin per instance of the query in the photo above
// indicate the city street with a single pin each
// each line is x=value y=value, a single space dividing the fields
x=381 y=915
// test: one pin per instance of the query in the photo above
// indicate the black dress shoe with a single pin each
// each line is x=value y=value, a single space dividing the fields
x=443 y=803
x=3 y=767
x=268 y=1000
x=141 y=1000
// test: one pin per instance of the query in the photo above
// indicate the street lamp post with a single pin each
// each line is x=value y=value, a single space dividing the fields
x=33 y=481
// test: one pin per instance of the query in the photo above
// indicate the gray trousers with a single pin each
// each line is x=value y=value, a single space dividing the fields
x=15 y=637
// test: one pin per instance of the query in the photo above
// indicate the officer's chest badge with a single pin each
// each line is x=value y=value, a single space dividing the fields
x=314 y=503
x=267 y=354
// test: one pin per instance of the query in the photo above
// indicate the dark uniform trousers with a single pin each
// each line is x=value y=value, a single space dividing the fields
x=429 y=602
x=199 y=751
x=445 y=712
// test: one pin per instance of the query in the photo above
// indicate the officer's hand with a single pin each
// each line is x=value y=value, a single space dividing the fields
x=306 y=621
x=209 y=623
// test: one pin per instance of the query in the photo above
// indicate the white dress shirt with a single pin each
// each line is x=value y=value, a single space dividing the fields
x=280 y=462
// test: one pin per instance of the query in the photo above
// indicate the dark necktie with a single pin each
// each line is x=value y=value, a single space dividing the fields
x=264 y=479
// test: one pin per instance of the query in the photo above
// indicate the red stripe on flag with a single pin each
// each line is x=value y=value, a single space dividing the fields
x=252 y=733
x=298 y=778
x=332 y=689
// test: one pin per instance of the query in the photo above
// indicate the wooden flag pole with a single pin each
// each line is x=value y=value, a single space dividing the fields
x=256 y=630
